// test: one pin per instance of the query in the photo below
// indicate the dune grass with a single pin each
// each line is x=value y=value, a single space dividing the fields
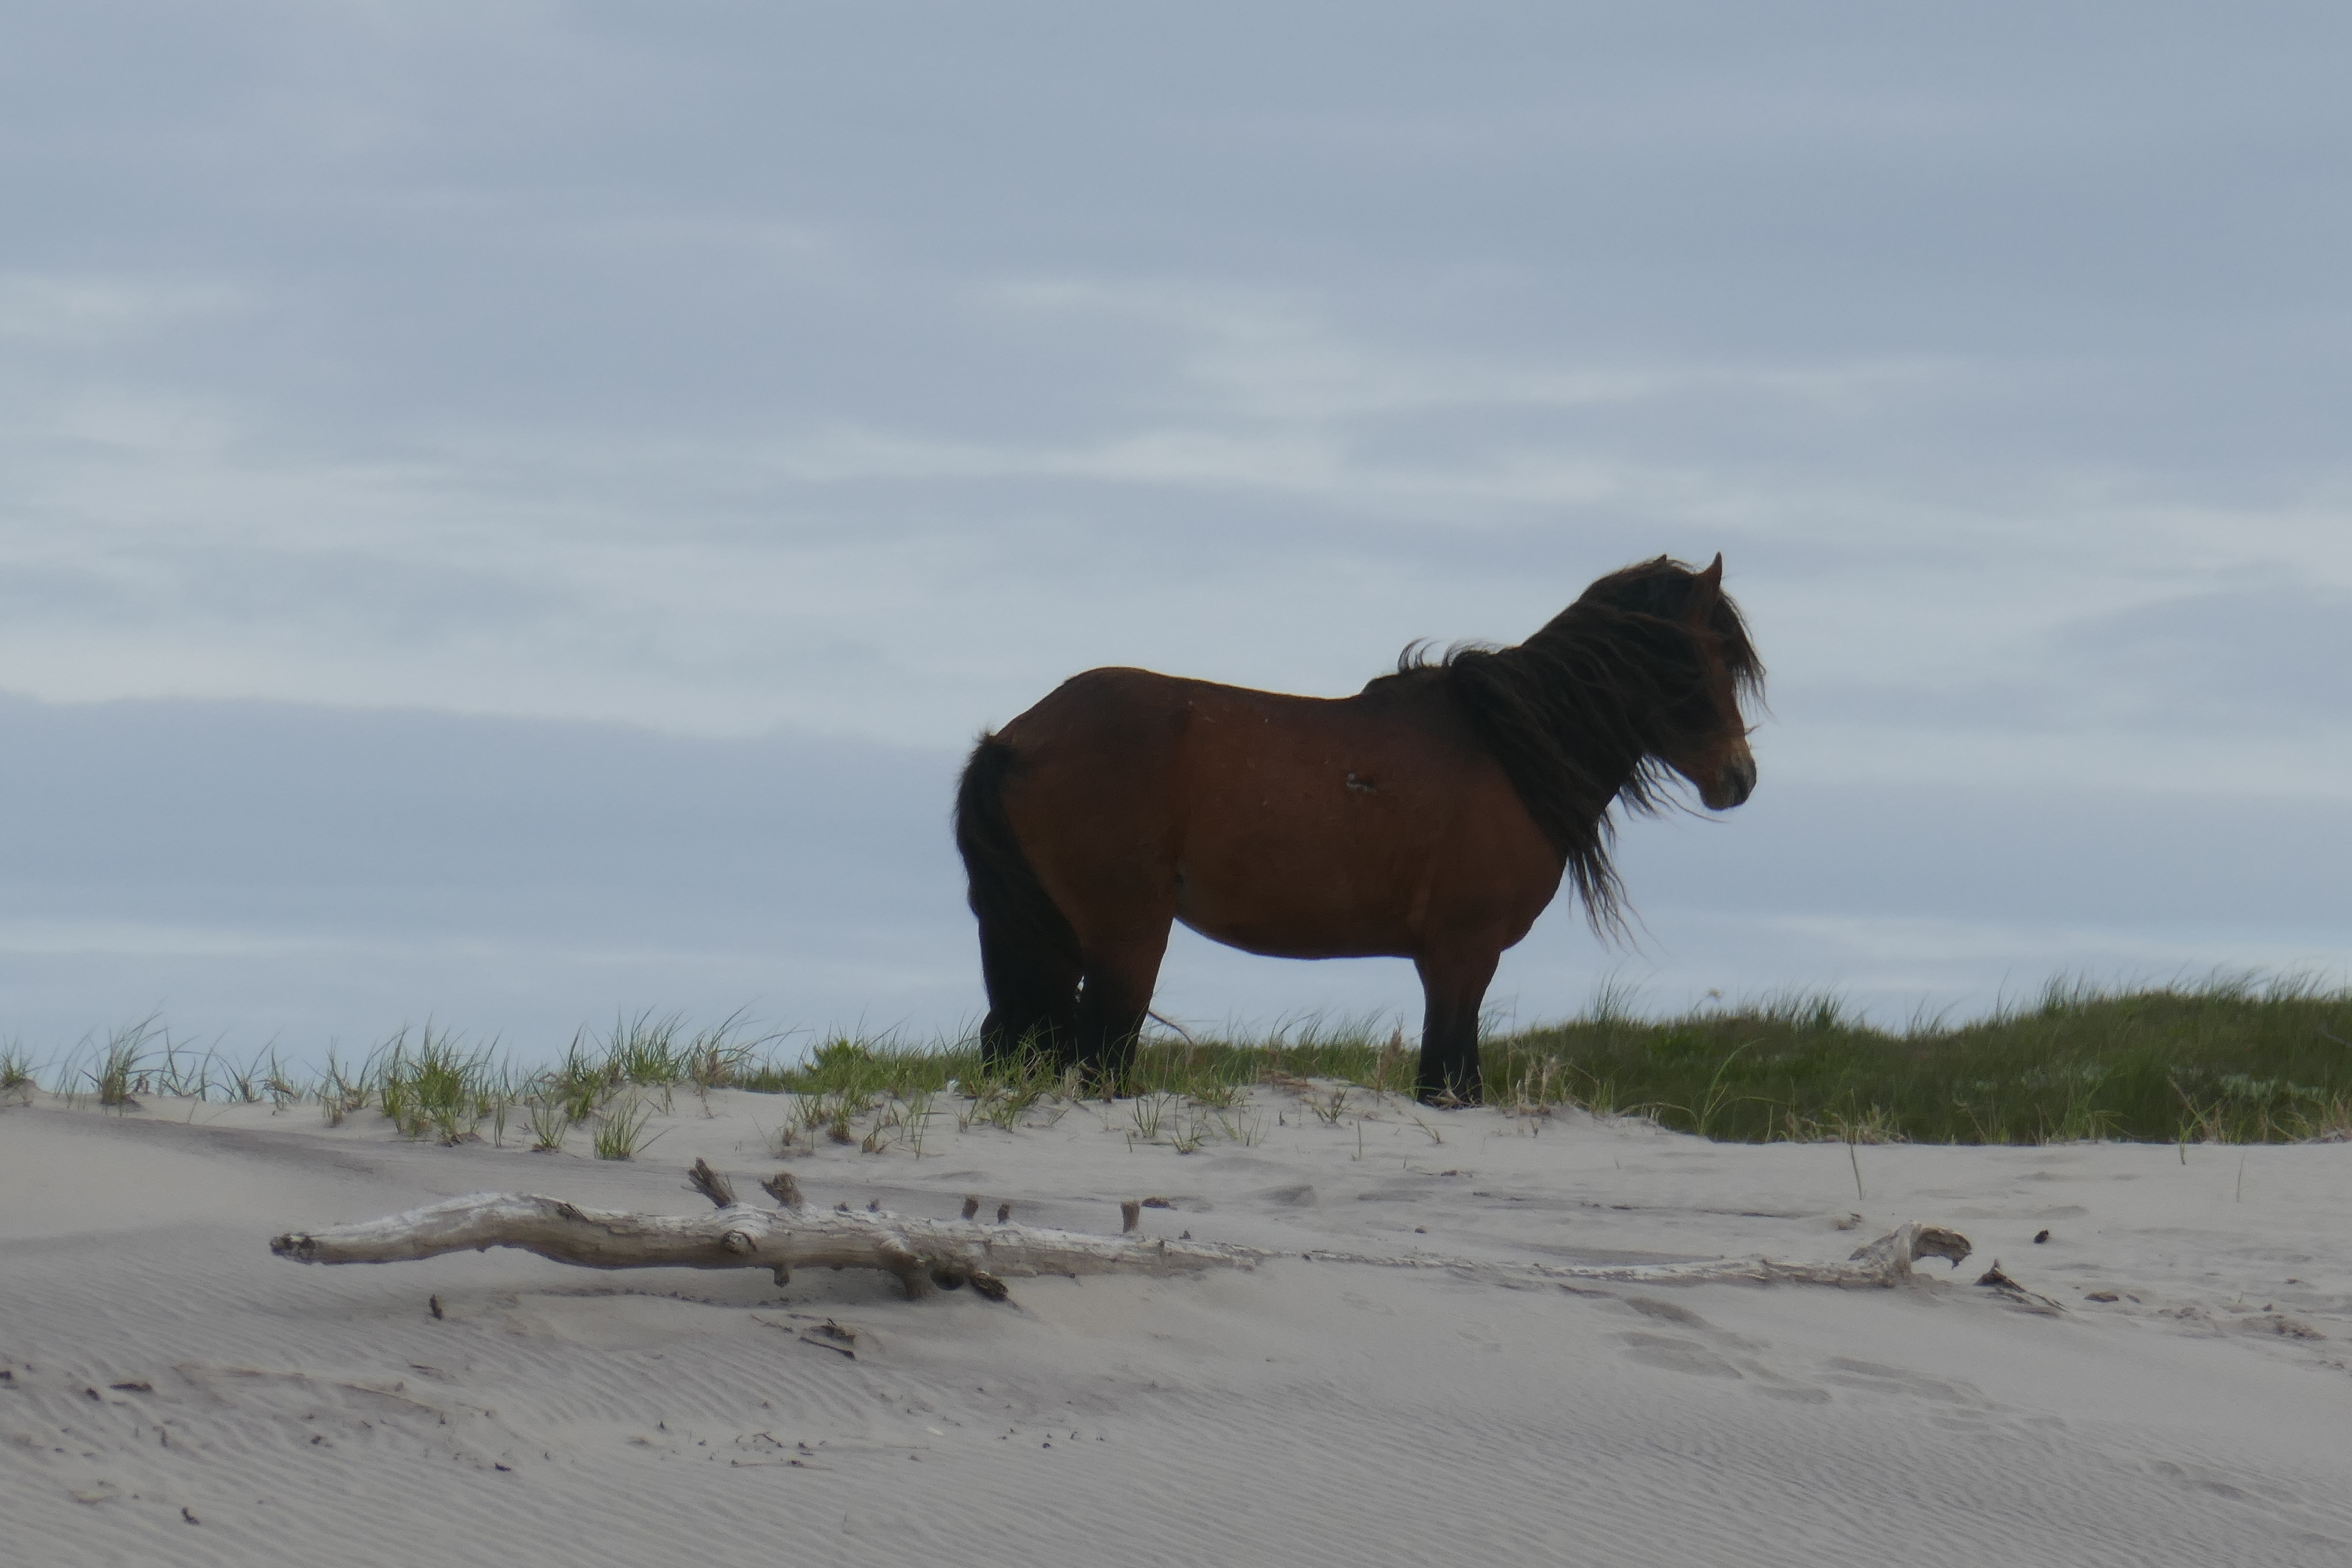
x=621 y=1128
x=17 y=1081
x=2225 y=1061
x=2228 y=1060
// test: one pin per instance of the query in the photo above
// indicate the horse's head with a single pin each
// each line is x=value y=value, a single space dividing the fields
x=1695 y=646
x=1715 y=758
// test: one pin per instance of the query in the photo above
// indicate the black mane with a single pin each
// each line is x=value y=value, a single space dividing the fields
x=1578 y=714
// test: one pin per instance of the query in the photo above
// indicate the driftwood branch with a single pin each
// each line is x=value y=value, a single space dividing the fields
x=950 y=1254
x=920 y=1253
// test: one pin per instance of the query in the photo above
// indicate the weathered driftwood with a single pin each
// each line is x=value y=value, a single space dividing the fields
x=922 y=1253
x=919 y=1252
x=1883 y=1263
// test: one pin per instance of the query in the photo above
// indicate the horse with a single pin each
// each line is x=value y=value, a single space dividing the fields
x=1431 y=817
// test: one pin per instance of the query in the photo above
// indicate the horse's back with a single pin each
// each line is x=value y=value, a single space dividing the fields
x=1112 y=705
x=1195 y=743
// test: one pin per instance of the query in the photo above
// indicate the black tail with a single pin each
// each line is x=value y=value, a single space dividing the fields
x=1028 y=952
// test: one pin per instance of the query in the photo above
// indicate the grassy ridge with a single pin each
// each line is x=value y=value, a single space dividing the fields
x=2228 y=1062
x=2224 y=1062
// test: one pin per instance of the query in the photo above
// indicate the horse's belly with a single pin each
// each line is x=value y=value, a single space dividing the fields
x=1291 y=941
x=1293 y=918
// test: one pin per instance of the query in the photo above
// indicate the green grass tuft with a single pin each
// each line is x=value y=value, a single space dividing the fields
x=125 y=1063
x=621 y=1130
x=18 y=1076
x=437 y=1087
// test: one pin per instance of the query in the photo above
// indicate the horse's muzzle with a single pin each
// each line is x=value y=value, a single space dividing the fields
x=1733 y=786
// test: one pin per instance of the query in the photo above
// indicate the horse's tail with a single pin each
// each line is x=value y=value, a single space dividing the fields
x=1014 y=908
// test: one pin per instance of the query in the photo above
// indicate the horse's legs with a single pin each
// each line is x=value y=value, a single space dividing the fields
x=1452 y=987
x=1118 y=991
x=1033 y=1004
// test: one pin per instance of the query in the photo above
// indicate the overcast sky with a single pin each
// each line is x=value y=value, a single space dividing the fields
x=509 y=512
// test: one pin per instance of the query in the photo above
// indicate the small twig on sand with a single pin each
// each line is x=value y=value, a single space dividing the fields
x=711 y=1185
x=784 y=1190
x=2031 y=1301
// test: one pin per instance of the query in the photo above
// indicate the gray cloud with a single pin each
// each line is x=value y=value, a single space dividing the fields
x=2261 y=660
x=862 y=373
x=2270 y=655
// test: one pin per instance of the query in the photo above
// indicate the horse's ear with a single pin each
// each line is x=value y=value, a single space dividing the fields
x=1707 y=587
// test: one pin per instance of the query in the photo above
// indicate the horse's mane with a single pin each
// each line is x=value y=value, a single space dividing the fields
x=1578 y=713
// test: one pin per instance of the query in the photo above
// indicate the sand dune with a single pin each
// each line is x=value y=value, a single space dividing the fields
x=174 y=1394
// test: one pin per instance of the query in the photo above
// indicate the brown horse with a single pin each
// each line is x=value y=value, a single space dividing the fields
x=1429 y=816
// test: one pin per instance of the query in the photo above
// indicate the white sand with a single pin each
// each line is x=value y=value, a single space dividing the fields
x=1300 y=1414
